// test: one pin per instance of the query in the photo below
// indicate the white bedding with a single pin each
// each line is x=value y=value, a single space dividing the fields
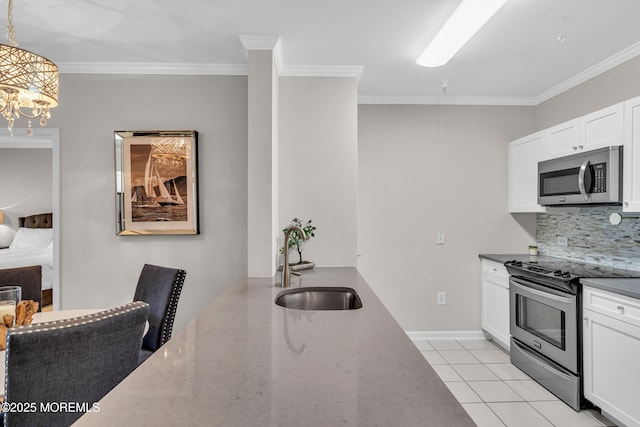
x=23 y=257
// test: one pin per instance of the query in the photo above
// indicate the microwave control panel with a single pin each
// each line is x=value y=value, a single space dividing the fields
x=599 y=178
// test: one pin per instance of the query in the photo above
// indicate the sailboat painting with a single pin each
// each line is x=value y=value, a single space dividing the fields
x=159 y=182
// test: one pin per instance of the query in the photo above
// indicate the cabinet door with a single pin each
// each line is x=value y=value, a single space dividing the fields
x=602 y=128
x=563 y=139
x=631 y=156
x=524 y=155
x=611 y=374
x=495 y=302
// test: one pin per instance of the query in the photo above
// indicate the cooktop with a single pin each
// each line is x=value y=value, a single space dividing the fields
x=566 y=269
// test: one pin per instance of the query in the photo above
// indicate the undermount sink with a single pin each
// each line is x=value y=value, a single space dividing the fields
x=319 y=298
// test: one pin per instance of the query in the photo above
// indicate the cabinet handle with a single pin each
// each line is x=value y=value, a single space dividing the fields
x=621 y=308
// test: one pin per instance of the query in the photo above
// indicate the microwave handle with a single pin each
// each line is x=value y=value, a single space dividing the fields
x=581 y=176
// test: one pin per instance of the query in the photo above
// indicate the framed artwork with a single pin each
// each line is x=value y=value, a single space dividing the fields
x=156 y=182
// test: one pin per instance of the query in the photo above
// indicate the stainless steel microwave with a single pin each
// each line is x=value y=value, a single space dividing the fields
x=589 y=178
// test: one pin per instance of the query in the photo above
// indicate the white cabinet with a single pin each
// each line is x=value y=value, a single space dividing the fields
x=495 y=302
x=524 y=155
x=563 y=139
x=631 y=156
x=611 y=346
x=615 y=125
x=602 y=128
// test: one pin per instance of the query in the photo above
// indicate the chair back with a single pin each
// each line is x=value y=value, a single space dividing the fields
x=159 y=287
x=28 y=278
x=75 y=360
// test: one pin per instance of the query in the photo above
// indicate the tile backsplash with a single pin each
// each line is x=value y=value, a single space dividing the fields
x=590 y=236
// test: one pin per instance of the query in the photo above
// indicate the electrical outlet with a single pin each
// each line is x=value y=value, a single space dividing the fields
x=563 y=241
x=441 y=298
x=439 y=238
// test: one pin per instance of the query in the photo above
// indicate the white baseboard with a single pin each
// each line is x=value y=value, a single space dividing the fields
x=444 y=335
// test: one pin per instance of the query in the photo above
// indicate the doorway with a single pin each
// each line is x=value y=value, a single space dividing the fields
x=47 y=138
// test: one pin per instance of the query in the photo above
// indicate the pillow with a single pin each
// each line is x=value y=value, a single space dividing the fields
x=6 y=236
x=32 y=238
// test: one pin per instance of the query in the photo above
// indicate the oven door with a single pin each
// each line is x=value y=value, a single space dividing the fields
x=545 y=320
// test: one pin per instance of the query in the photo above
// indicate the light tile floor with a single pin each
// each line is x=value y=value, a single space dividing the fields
x=496 y=393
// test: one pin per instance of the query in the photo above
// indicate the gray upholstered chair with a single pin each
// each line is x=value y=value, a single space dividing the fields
x=74 y=360
x=28 y=278
x=159 y=287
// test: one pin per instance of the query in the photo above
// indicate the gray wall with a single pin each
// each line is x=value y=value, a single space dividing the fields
x=25 y=175
x=318 y=158
x=616 y=85
x=100 y=269
x=424 y=169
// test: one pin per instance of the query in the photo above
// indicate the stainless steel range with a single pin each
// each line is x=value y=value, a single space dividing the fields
x=546 y=334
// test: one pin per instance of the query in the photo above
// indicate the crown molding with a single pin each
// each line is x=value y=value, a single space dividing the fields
x=601 y=67
x=152 y=68
x=263 y=43
x=272 y=43
x=205 y=69
x=322 y=71
x=259 y=42
x=446 y=100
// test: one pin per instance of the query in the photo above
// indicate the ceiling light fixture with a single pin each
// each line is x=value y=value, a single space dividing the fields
x=27 y=81
x=463 y=23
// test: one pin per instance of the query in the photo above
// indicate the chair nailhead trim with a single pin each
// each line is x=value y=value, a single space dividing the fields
x=167 y=325
x=66 y=323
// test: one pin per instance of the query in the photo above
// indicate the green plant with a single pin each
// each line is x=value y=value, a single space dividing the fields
x=295 y=239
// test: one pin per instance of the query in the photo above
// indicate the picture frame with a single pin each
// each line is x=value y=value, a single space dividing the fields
x=156 y=182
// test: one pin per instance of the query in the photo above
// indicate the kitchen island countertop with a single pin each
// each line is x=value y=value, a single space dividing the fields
x=244 y=361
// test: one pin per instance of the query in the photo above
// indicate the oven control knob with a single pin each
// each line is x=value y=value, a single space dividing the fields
x=557 y=273
x=517 y=263
x=566 y=274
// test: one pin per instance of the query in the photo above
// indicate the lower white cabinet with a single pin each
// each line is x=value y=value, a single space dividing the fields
x=495 y=302
x=611 y=348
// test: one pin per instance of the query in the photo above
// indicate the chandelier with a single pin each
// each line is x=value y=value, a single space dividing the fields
x=173 y=147
x=27 y=82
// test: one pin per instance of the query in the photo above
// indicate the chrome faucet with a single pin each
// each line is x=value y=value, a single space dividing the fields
x=285 y=268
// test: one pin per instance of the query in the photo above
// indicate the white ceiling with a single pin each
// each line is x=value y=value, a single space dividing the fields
x=515 y=59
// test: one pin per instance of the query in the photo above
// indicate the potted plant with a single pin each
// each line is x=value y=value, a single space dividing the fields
x=295 y=240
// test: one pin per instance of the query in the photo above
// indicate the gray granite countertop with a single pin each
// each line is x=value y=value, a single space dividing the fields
x=244 y=361
x=623 y=286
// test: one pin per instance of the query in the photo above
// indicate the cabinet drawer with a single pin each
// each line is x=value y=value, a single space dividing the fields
x=495 y=272
x=613 y=305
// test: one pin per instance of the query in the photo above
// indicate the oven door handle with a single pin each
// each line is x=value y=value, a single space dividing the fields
x=542 y=294
x=581 y=176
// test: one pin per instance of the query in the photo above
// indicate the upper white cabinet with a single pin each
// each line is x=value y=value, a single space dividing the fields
x=599 y=129
x=631 y=156
x=563 y=139
x=524 y=155
x=618 y=124
x=602 y=128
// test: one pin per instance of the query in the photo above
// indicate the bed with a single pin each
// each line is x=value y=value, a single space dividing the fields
x=33 y=245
